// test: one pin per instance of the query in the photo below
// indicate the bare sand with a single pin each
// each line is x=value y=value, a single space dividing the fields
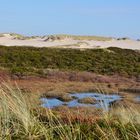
x=9 y=40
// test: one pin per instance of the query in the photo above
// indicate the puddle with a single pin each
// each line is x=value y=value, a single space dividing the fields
x=103 y=101
x=51 y=103
x=138 y=99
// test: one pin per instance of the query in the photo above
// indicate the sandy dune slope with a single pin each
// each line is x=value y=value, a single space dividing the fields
x=66 y=42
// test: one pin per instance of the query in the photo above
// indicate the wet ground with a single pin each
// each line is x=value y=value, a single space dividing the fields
x=138 y=98
x=102 y=101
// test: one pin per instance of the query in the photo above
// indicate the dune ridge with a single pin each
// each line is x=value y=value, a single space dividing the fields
x=68 y=41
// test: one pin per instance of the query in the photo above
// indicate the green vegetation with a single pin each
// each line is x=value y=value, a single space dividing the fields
x=22 y=120
x=76 y=37
x=21 y=37
x=59 y=37
x=1 y=35
x=27 y=60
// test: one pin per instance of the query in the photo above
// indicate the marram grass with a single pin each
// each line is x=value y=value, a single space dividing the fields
x=20 y=121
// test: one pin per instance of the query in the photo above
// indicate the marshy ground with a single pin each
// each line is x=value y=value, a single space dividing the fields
x=25 y=80
x=58 y=86
x=22 y=116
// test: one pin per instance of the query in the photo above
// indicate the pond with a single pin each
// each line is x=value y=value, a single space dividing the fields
x=138 y=98
x=102 y=101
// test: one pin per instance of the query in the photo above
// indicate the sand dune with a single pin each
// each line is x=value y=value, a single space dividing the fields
x=67 y=42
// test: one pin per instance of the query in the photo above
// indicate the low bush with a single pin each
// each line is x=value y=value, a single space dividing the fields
x=29 y=59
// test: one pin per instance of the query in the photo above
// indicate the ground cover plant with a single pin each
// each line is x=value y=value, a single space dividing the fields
x=27 y=60
x=66 y=71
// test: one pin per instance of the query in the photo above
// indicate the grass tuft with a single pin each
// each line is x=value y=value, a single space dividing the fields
x=19 y=120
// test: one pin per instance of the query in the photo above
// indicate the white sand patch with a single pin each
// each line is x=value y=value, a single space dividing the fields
x=9 y=40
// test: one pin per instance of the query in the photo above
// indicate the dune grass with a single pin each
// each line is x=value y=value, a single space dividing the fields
x=1 y=35
x=21 y=119
x=83 y=37
x=61 y=36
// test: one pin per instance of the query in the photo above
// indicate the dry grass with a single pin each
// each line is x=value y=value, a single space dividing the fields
x=1 y=35
x=58 y=88
x=87 y=100
x=76 y=37
x=21 y=119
